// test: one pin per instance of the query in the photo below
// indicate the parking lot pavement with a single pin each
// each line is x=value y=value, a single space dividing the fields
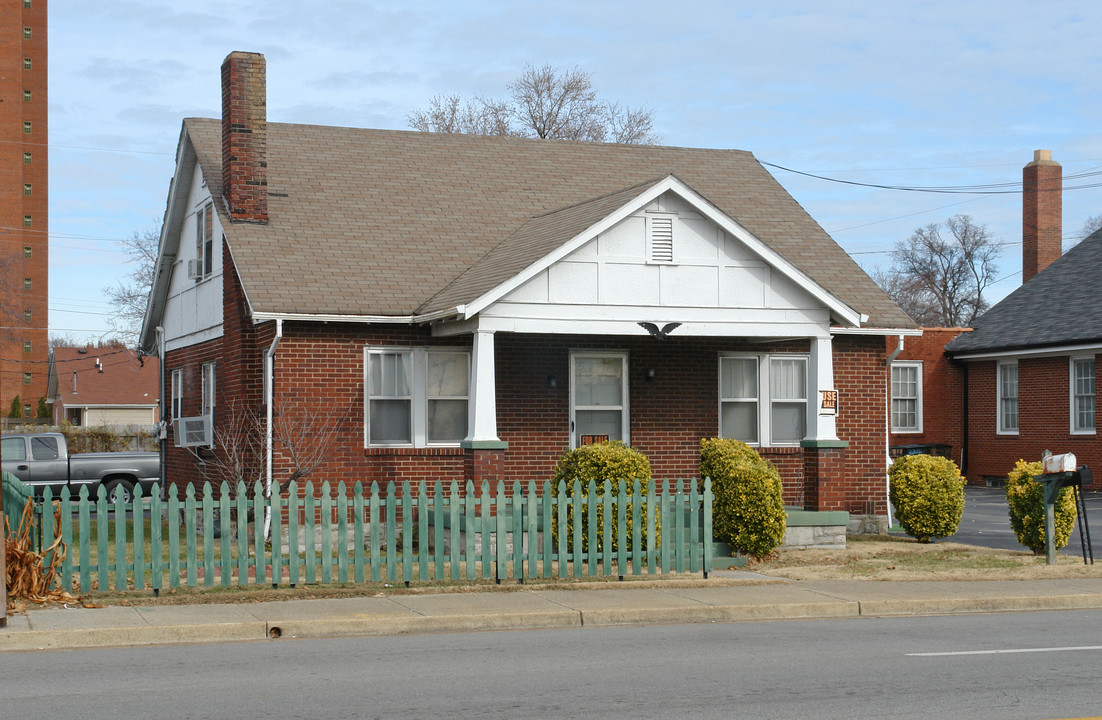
x=986 y=522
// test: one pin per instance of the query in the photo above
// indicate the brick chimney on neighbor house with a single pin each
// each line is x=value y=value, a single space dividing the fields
x=245 y=137
x=1042 y=213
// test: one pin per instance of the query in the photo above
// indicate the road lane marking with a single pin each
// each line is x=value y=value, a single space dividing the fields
x=1007 y=651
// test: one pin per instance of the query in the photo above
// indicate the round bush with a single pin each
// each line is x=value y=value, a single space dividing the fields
x=612 y=461
x=928 y=495
x=748 y=507
x=1025 y=498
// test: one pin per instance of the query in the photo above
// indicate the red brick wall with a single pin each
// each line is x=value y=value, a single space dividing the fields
x=1044 y=419
x=861 y=377
x=942 y=390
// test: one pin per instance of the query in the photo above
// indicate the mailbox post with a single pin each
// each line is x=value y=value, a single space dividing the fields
x=1060 y=472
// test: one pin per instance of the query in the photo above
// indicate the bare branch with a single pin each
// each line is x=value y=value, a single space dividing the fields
x=131 y=296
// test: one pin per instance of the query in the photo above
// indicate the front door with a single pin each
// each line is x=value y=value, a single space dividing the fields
x=598 y=398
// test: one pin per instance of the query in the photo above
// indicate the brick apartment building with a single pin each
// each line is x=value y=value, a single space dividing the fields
x=468 y=308
x=24 y=238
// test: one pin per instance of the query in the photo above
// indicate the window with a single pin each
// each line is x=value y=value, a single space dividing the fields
x=27 y=127
x=599 y=398
x=27 y=158
x=763 y=398
x=28 y=316
x=26 y=33
x=1082 y=395
x=660 y=238
x=75 y=416
x=28 y=378
x=27 y=188
x=13 y=448
x=26 y=346
x=906 y=397
x=416 y=396
x=27 y=283
x=26 y=63
x=208 y=391
x=28 y=221
x=204 y=244
x=44 y=447
x=27 y=251
x=177 y=394
x=26 y=96
x=1008 y=397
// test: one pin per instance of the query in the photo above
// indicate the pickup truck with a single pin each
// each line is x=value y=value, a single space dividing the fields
x=42 y=460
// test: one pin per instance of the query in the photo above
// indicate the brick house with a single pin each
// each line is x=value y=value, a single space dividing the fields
x=469 y=307
x=103 y=386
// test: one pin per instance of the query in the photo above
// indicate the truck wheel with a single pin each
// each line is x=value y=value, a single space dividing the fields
x=117 y=488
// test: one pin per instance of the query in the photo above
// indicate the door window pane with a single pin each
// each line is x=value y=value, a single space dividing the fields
x=598 y=422
x=598 y=381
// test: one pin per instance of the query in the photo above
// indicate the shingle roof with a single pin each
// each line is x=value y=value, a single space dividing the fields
x=124 y=381
x=1060 y=305
x=384 y=222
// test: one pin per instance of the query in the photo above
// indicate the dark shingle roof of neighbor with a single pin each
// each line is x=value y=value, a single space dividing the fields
x=396 y=223
x=1060 y=305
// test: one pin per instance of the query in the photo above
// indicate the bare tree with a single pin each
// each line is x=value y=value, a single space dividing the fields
x=238 y=452
x=131 y=296
x=1093 y=223
x=306 y=431
x=940 y=273
x=544 y=103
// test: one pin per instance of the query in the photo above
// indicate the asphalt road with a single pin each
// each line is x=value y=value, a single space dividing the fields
x=981 y=667
x=986 y=522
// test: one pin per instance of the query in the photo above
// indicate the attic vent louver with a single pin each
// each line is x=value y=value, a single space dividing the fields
x=660 y=238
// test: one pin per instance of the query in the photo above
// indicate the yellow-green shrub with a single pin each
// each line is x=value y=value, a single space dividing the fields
x=612 y=461
x=748 y=507
x=928 y=495
x=1025 y=498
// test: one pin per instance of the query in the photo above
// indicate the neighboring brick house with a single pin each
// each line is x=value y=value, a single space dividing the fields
x=1029 y=362
x=104 y=386
x=469 y=308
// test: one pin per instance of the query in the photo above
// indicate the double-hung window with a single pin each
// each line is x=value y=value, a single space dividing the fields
x=416 y=396
x=906 y=397
x=1082 y=395
x=177 y=394
x=204 y=242
x=208 y=390
x=1008 y=398
x=763 y=398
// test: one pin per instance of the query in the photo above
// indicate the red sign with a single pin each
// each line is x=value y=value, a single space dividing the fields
x=594 y=439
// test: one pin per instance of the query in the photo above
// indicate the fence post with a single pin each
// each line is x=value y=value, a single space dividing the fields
x=709 y=549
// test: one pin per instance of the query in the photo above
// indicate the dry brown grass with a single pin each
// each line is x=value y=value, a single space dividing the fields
x=892 y=558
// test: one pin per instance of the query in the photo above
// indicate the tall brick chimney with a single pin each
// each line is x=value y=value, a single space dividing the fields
x=245 y=137
x=1042 y=213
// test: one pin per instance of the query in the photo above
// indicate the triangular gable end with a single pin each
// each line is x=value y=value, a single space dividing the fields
x=642 y=265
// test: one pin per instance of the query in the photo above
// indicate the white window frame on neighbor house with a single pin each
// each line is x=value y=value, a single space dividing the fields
x=1081 y=379
x=177 y=395
x=577 y=400
x=900 y=397
x=208 y=390
x=765 y=403
x=1007 y=395
x=422 y=390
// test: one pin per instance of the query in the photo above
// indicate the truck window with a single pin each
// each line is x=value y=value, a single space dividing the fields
x=44 y=448
x=13 y=448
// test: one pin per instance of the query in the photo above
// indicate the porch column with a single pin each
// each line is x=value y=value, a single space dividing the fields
x=824 y=453
x=485 y=452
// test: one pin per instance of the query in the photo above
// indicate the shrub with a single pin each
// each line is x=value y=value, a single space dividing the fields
x=1025 y=498
x=928 y=495
x=614 y=462
x=42 y=412
x=16 y=410
x=748 y=507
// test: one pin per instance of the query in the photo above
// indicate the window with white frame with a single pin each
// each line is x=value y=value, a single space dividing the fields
x=208 y=390
x=763 y=398
x=177 y=394
x=416 y=396
x=906 y=397
x=1008 y=397
x=1082 y=395
x=598 y=398
x=204 y=242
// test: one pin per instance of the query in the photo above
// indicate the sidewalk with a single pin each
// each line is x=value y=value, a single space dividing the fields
x=728 y=596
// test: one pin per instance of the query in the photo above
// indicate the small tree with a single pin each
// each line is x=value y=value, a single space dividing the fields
x=16 y=410
x=42 y=412
x=1025 y=499
x=748 y=510
x=928 y=495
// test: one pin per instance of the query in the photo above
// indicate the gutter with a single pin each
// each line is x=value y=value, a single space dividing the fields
x=269 y=393
x=259 y=317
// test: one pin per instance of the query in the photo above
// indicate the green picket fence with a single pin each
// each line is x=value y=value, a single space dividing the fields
x=342 y=535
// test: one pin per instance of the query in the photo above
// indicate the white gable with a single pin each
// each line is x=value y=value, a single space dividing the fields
x=714 y=278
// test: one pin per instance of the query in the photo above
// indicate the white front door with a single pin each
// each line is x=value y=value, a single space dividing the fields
x=598 y=398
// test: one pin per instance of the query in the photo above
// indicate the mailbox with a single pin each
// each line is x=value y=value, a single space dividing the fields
x=1056 y=476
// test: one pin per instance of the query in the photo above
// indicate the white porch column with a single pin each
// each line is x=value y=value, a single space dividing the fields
x=482 y=413
x=821 y=426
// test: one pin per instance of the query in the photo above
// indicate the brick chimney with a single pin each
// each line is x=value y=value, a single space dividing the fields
x=1042 y=213
x=245 y=137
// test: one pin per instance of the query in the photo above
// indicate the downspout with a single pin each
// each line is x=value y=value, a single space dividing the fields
x=269 y=393
x=164 y=428
x=888 y=428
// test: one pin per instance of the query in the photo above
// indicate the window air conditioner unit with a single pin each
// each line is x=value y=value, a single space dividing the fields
x=194 y=269
x=193 y=431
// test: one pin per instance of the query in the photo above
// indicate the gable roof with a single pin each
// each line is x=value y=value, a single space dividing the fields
x=1059 y=306
x=124 y=381
x=391 y=223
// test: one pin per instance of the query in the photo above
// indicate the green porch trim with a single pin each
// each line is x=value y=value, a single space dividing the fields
x=821 y=444
x=484 y=445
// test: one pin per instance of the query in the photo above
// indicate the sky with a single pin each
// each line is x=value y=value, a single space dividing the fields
x=937 y=94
